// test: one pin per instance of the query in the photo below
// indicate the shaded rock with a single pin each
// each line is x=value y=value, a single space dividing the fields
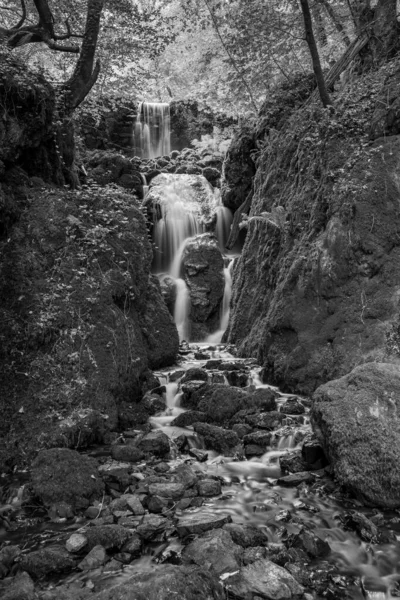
x=187 y=583
x=366 y=529
x=133 y=546
x=94 y=559
x=261 y=438
x=189 y=417
x=220 y=402
x=313 y=454
x=214 y=551
x=195 y=374
x=241 y=429
x=209 y=487
x=111 y=537
x=60 y=474
x=175 y=375
x=154 y=402
x=213 y=363
x=174 y=491
x=21 y=587
x=200 y=523
x=199 y=455
x=152 y=526
x=212 y=175
x=189 y=398
x=47 y=561
x=185 y=475
x=126 y=452
x=252 y=554
x=295 y=479
x=269 y=420
x=356 y=420
x=217 y=438
x=247 y=535
x=311 y=544
x=292 y=406
x=157 y=504
x=238 y=168
x=293 y=462
x=266 y=579
x=236 y=378
x=264 y=398
x=155 y=442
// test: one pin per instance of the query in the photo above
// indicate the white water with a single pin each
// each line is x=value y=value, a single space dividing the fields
x=152 y=130
x=224 y=221
x=182 y=309
x=216 y=337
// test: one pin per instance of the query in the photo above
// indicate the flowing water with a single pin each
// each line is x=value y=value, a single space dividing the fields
x=152 y=130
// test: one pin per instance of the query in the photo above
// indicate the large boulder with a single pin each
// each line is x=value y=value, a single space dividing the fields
x=356 y=420
x=204 y=274
x=63 y=475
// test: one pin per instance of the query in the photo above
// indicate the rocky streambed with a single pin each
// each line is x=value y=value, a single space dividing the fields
x=223 y=493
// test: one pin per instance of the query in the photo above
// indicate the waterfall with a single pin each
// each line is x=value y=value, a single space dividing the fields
x=152 y=130
x=182 y=309
x=225 y=308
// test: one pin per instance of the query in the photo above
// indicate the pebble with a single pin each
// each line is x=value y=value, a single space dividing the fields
x=76 y=542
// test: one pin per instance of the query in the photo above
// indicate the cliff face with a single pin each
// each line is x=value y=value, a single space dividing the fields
x=316 y=290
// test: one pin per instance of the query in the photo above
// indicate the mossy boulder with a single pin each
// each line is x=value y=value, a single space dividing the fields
x=356 y=420
x=64 y=475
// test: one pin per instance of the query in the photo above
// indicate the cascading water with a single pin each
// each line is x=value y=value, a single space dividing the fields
x=216 y=337
x=152 y=130
x=224 y=221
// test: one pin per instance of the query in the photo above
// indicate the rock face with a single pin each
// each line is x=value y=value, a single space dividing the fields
x=356 y=420
x=203 y=268
x=238 y=169
x=315 y=291
x=76 y=272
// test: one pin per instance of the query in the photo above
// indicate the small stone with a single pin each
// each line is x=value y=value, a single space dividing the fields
x=123 y=557
x=96 y=558
x=152 y=526
x=134 y=504
x=113 y=566
x=167 y=490
x=92 y=512
x=133 y=546
x=76 y=542
x=157 y=504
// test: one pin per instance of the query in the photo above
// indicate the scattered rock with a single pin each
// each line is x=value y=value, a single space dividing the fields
x=200 y=523
x=295 y=479
x=111 y=537
x=126 y=453
x=209 y=487
x=152 y=526
x=94 y=559
x=217 y=438
x=199 y=455
x=76 y=542
x=292 y=406
x=214 y=550
x=155 y=442
x=195 y=374
x=47 y=561
x=21 y=587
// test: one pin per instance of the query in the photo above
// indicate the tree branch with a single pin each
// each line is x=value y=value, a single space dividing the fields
x=22 y=19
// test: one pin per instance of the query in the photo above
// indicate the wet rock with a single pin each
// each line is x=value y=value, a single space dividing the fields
x=241 y=429
x=358 y=522
x=189 y=398
x=133 y=546
x=209 y=487
x=94 y=559
x=293 y=462
x=199 y=455
x=214 y=550
x=20 y=587
x=187 y=583
x=130 y=502
x=174 y=491
x=213 y=363
x=295 y=479
x=230 y=366
x=126 y=453
x=195 y=374
x=47 y=561
x=116 y=472
x=247 y=535
x=264 y=399
x=76 y=542
x=60 y=474
x=217 y=438
x=153 y=402
x=152 y=526
x=311 y=544
x=253 y=450
x=252 y=554
x=263 y=578
x=201 y=356
x=8 y=554
x=313 y=454
x=356 y=420
x=239 y=169
x=155 y=442
x=200 y=523
x=220 y=402
x=266 y=420
x=111 y=537
x=236 y=378
x=185 y=475
x=158 y=504
x=261 y=438
x=175 y=375
x=292 y=406
x=189 y=417
x=203 y=268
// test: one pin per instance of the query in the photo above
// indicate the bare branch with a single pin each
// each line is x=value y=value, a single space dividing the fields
x=22 y=19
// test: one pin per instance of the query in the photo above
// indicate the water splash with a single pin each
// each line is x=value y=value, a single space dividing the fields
x=224 y=221
x=182 y=309
x=216 y=337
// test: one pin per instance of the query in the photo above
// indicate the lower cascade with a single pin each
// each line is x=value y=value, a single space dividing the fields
x=190 y=230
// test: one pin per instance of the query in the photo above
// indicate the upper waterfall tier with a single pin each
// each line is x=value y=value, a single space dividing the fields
x=152 y=130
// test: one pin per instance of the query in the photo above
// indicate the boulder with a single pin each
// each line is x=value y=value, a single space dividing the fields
x=63 y=475
x=220 y=402
x=126 y=453
x=195 y=373
x=47 y=561
x=111 y=537
x=264 y=579
x=155 y=442
x=21 y=587
x=217 y=438
x=356 y=420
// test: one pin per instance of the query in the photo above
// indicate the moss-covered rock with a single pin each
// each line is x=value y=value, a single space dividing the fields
x=356 y=420
x=63 y=475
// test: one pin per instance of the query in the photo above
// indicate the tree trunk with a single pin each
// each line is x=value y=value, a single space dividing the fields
x=336 y=20
x=380 y=24
x=310 y=39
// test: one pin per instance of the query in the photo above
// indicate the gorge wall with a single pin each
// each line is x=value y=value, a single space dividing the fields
x=316 y=290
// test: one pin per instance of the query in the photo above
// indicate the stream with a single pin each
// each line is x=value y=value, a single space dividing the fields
x=350 y=551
